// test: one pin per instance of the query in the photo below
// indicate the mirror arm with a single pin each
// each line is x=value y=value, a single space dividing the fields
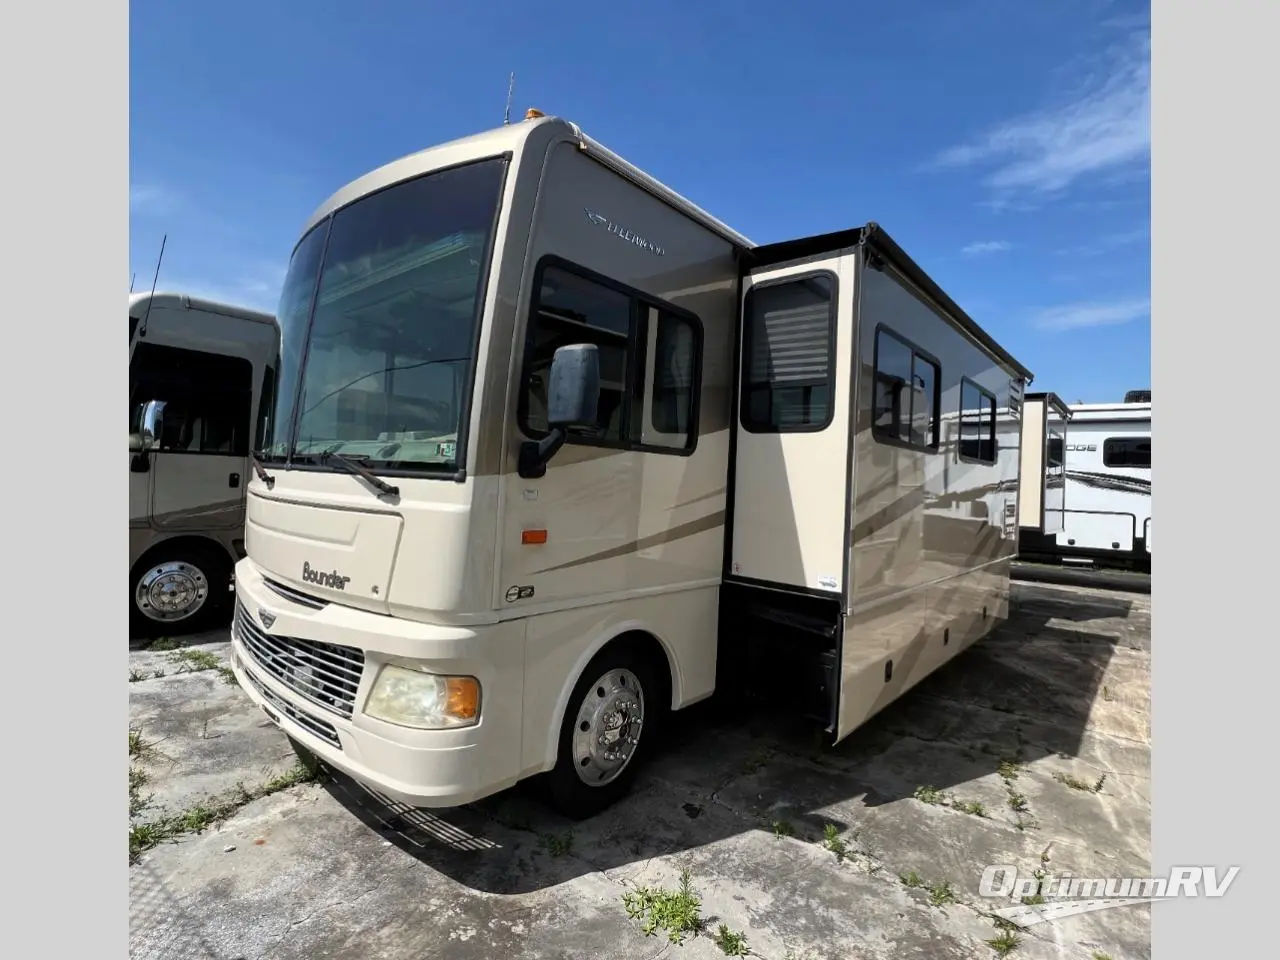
x=534 y=454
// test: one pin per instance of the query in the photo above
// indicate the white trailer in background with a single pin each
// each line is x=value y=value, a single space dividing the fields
x=201 y=378
x=556 y=452
x=1107 y=468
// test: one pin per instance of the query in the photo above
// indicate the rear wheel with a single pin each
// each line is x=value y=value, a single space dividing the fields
x=179 y=590
x=609 y=725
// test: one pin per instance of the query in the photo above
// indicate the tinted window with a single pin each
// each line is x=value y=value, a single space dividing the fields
x=977 y=423
x=569 y=309
x=208 y=398
x=788 y=335
x=1055 y=472
x=393 y=323
x=649 y=360
x=1056 y=458
x=672 y=381
x=905 y=393
x=266 y=408
x=296 y=298
x=1127 y=452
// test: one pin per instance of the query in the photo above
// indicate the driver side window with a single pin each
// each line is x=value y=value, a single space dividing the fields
x=208 y=399
x=569 y=309
x=650 y=362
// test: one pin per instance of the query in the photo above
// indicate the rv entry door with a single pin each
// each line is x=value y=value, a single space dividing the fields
x=791 y=465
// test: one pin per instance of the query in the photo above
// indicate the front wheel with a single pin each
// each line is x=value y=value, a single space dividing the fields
x=182 y=590
x=609 y=724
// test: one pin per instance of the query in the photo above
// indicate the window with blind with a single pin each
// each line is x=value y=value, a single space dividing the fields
x=788 y=353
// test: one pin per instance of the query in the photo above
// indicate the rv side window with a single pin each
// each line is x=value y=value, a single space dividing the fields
x=1056 y=451
x=649 y=360
x=208 y=398
x=977 y=423
x=672 y=380
x=906 y=394
x=1127 y=452
x=788 y=345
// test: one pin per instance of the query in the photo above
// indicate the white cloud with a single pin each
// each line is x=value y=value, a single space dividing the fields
x=257 y=290
x=1104 y=130
x=1107 y=243
x=248 y=283
x=985 y=246
x=152 y=198
x=1076 y=316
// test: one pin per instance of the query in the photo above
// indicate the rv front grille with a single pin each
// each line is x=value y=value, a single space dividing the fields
x=314 y=725
x=294 y=596
x=325 y=674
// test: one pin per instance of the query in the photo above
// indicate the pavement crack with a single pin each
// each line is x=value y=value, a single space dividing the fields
x=740 y=814
x=323 y=908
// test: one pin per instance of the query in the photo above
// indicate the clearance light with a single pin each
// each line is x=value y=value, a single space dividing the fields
x=533 y=114
x=533 y=537
x=427 y=701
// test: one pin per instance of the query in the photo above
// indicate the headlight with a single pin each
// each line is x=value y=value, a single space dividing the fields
x=411 y=698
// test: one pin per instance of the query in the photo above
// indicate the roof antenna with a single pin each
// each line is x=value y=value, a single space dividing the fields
x=132 y=280
x=511 y=89
x=142 y=327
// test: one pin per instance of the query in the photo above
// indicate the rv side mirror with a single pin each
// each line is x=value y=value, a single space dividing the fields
x=573 y=391
x=152 y=424
x=573 y=397
x=135 y=443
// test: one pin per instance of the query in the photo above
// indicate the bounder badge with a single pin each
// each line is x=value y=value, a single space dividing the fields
x=334 y=580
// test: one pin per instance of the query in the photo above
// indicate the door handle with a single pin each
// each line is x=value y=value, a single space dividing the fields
x=234 y=480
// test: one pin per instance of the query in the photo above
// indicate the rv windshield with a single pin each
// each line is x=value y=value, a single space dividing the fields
x=378 y=321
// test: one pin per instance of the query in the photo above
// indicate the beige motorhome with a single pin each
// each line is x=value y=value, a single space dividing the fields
x=201 y=376
x=556 y=452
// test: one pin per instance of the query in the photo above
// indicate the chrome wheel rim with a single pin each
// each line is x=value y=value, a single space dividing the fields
x=171 y=592
x=607 y=727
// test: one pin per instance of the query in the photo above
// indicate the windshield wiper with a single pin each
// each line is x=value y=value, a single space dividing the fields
x=260 y=470
x=353 y=466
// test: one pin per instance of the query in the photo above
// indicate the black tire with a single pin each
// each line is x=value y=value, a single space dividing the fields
x=213 y=568
x=568 y=793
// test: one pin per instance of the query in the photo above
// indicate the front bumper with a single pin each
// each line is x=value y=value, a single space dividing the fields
x=421 y=768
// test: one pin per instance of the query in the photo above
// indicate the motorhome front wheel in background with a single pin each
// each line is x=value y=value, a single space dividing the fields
x=180 y=588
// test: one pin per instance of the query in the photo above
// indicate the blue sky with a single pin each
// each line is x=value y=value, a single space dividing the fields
x=1004 y=144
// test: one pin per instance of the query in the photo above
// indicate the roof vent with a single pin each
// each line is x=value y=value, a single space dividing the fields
x=1138 y=396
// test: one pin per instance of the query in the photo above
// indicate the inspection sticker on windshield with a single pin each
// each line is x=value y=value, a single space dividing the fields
x=446 y=450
